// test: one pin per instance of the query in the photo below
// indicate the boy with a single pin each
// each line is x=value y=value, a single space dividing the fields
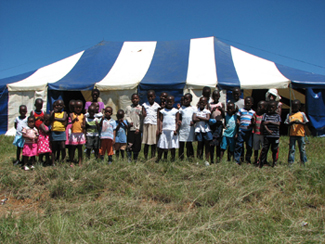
x=271 y=124
x=229 y=134
x=239 y=102
x=244 y=120
x=297 y=121
x=107 y=136
x=258 y=136
x=92 y=135
x=120 y=139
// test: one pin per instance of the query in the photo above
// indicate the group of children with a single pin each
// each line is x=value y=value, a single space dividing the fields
x=213 y=125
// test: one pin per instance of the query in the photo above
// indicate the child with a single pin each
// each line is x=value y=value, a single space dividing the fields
x=297 y=121
x=59 y=122
x=133 y=115
x=92 y=134
x=30 y=135
x=20 y=123
x=168 y=128
x=202 y=130
x=258 y=136
x=150 y=124
x=68 y=129
x=186 y=130
x=229 y=135
x=206 y=92
x=77 y=137
x=43 y=142
x=98 y=113
x=38 y=113
x=244 y=120
x=239 y=102
x=217 y=114
x=271 y=123
x=107 y=135
x=120 y=139
x=179 y=105
x=163 y=98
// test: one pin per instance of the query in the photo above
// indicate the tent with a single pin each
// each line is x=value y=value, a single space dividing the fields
x=119 y=69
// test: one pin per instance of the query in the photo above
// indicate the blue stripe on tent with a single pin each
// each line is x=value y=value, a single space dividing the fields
x=302 y=79
x=315 y=101
x=226 y=72
x=4 y=98
x=168 y=70
x=92 y=67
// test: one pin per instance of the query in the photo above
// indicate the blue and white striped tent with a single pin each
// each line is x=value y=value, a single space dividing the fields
x=119 y=69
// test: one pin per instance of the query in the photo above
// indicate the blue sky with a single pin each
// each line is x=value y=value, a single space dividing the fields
x=36 y=33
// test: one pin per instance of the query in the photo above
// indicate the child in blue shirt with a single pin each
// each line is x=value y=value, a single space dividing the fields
x=245 y=116
x=229 y=134
x=120 y=139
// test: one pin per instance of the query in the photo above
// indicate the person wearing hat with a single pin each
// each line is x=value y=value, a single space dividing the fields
x=273 y=95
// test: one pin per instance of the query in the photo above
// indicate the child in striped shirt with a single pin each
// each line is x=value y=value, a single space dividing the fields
x=258 y=136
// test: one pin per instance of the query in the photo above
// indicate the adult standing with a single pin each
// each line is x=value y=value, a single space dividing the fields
x=96 y=99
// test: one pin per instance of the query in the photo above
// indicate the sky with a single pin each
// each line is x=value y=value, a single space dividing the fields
x=36 y=33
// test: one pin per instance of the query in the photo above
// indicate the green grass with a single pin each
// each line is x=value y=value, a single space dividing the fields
x=181 y=202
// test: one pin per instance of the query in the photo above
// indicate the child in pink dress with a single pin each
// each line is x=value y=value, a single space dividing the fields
x=30 y=134
x=43 y=142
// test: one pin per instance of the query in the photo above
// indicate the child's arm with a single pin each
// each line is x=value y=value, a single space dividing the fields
x=161 y=118
x=114 y=133
x=177 y=123
x=42 y=127
x=222 y=110
x=144 y=112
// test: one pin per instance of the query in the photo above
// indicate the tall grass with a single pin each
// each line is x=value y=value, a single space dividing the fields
x=181 y=202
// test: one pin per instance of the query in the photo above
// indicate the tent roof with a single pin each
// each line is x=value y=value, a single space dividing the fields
x=192 y=63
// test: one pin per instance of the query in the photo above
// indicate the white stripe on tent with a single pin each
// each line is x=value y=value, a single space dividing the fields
x=202 y=65
x=48 y=74
x=130 y=66
x=28 y=90
x=255 y=72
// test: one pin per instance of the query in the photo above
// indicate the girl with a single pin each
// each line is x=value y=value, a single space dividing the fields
x=217 y=114
x=30 y=135
x=186 y=131
x=77 y=137
x=68 y=129
x=43 y=142
x=168 y=128
x=59 y=122
x=20 y=123
x=150 y=124
x=133 y=114
x=202 y=129
x=120 y=139
x=38 y=113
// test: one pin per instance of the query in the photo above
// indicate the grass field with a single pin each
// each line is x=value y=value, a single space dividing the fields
x=180 y=202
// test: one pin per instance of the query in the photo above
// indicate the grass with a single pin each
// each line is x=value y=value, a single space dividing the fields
x=181 y=202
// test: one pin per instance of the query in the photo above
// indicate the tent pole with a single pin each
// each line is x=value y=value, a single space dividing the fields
x=290 y=87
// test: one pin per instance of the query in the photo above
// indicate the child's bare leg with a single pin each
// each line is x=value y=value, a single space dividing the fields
x=207 y=150
x=80 y=155
x=88 y=153
x=122 y=154
x=221 y=154
x=172 y=152
x=160 y=153
x=212 y=153
x=200 y=149
x=181 y=150
x=72 y=153
x=255 y=156
x=117 y=153
x=32 y=160
x=165 y=154
x=25 y=161
x=189 y=150
x=145 y=151
x=62 y=147
x=153 y=151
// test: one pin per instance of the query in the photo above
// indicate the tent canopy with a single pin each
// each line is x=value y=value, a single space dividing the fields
x=120 y=68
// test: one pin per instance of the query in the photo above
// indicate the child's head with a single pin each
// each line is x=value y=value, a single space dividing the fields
x=108 y=112
x=231 y=108
x=95 y=94
x=135 y=99
x=249 y=103
x=96 y=104
x=71 y=105
x=31 y=122
x=59 y=105
x=78 y=107
x=187 y=99
x=296 y=105
x=261 y=107
x=47 y=119
x=38 y=104
x=163 y=96
x=120 y=114
x=170 y=102
x=236 y=93
x=91 y=111
x=206 y=91
x=151 y=96
x=23 y=110
x=215 y=96
x=272 y=106
x=182 y=101
x=202 y=102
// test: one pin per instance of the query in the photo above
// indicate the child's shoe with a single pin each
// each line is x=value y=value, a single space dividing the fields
x=32 y=167
x=26 y=168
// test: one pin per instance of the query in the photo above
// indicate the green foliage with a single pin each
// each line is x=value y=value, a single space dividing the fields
x=181 y=202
